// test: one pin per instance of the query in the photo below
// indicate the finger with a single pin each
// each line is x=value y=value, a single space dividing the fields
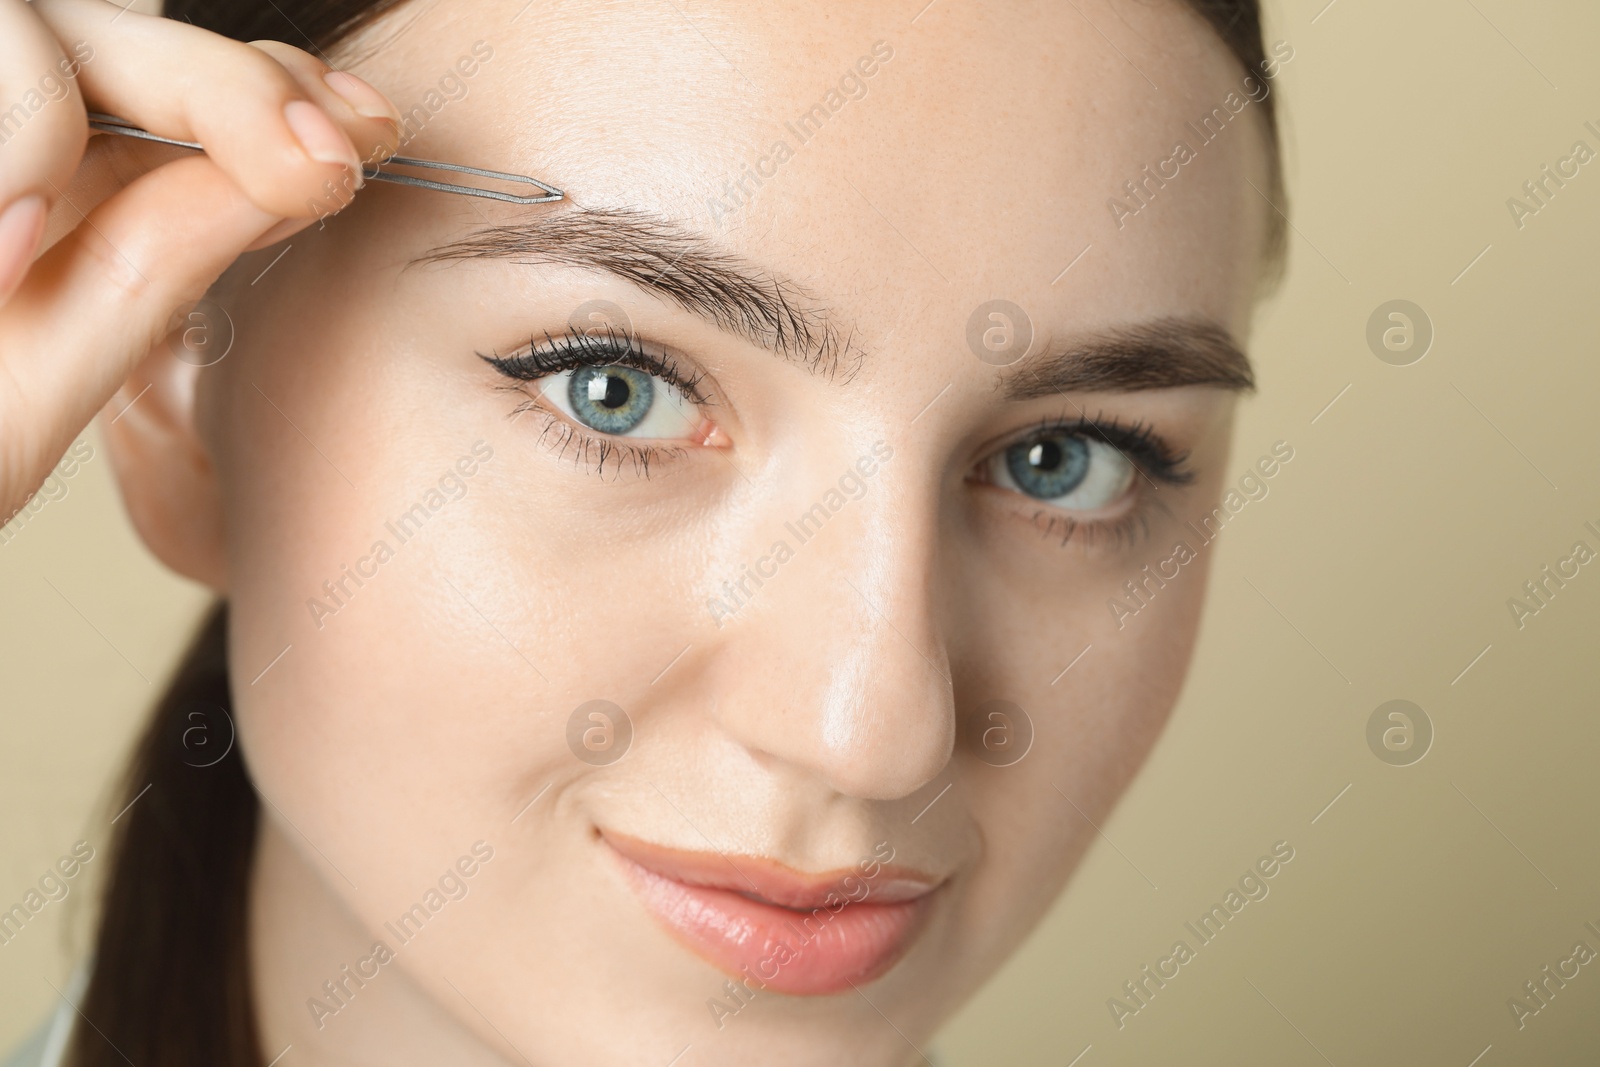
x=374 y=123
x=42 y=134
x=109 y=165
x=334 y=89
x=97 y=302
x=281 y=232
x=370 y=118
x=255 y=118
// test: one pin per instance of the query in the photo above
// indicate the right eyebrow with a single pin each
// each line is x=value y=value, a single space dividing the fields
x=662 y=256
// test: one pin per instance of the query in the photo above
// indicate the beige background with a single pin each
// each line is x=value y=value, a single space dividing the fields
x=1378 y=568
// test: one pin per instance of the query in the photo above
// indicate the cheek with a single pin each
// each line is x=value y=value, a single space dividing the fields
x=405 y=678
x=1093 y=727
x=434 y=656
x=376 y=707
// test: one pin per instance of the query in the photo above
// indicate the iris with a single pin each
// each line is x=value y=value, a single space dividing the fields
x=1048 y=466
x=612 y=399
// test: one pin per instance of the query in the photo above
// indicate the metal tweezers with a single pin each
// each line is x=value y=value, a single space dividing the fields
x=112 y=124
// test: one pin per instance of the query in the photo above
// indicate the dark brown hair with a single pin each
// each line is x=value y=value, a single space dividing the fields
x=170 y=985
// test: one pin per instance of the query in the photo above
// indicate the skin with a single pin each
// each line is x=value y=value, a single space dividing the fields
x=825 y=715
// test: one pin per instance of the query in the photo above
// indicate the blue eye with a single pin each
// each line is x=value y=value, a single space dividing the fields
x=1064 y=469
x=622 y=402
x=612 y=400
x=1048 y=467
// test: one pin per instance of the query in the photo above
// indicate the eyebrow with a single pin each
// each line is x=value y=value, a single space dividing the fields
x=1163 y=353
x=663 y=257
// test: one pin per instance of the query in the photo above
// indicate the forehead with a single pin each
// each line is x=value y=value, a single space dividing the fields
x=898 y=163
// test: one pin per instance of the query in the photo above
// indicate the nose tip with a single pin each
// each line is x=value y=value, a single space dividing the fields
x=861 y=700
x=887 y=722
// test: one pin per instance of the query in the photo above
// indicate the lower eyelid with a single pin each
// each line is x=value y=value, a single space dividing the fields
x=1124 y=530
x=604 y=455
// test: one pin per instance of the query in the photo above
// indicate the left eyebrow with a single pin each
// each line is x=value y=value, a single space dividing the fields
x=1163 y=353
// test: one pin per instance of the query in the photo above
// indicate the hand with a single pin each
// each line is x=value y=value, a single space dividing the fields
x=132 y=231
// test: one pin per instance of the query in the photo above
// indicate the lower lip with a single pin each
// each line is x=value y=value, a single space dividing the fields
x=793 y=951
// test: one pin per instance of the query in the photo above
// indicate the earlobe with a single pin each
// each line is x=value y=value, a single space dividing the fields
x=168 y=482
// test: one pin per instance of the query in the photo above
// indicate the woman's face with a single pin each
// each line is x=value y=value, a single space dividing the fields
x=764 y=466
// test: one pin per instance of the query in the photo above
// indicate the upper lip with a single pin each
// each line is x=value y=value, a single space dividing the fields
x=772 y=881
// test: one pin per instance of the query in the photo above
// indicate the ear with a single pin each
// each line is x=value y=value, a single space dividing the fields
x=168 y=483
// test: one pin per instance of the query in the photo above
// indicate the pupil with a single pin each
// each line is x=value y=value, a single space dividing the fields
x=1046 y=455
x=617 y=392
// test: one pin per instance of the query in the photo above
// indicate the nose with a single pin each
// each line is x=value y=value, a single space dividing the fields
x=836 y=665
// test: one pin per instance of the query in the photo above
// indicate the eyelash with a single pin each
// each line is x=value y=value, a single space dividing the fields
x=1153 y=460
x=570 y=351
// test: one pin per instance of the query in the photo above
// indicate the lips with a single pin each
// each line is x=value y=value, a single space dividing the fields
x=770 y=925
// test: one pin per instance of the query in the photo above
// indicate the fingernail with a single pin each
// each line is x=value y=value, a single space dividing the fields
x=321 y=139
x=361 y=97
x=21 y=227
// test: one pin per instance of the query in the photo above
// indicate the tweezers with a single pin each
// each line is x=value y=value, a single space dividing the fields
x=112 y=124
